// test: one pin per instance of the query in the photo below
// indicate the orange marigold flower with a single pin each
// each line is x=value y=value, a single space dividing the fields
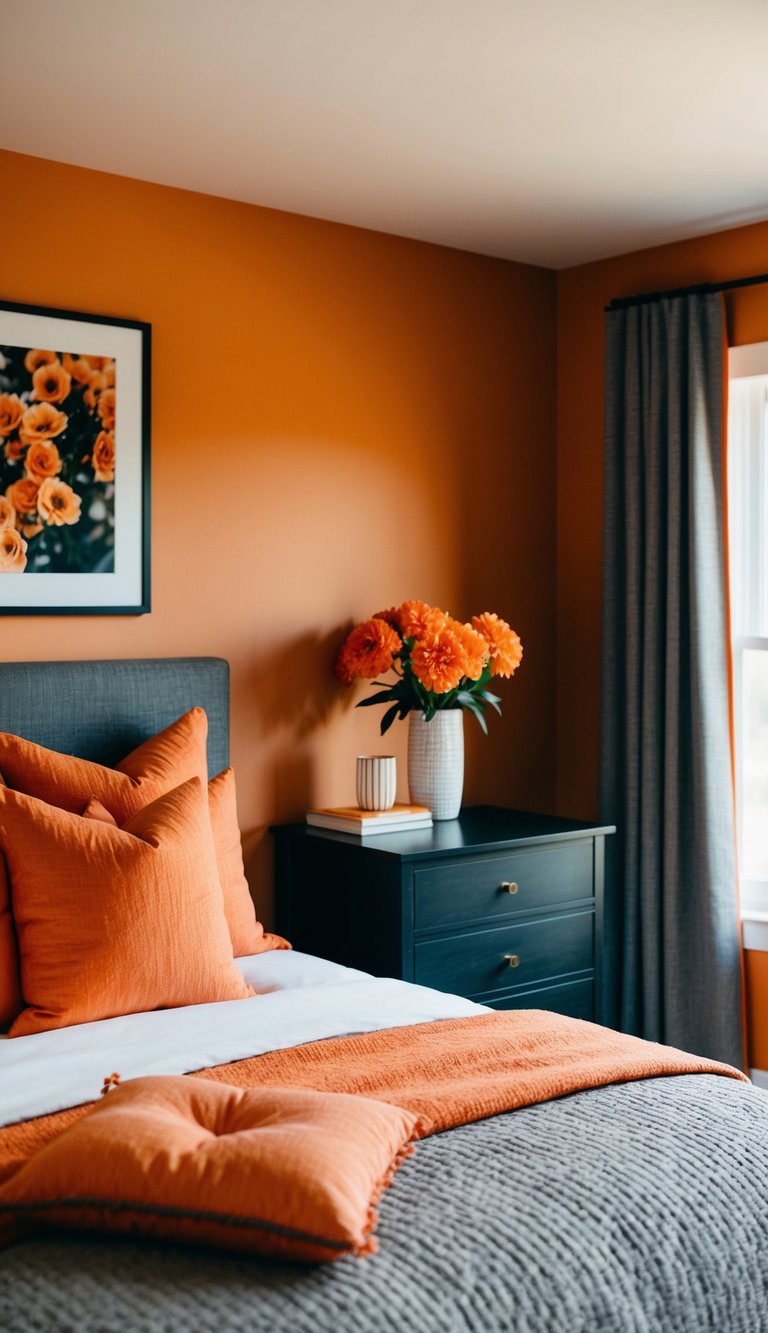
x=475 y=647
x=103 y=458
x=78 y=368
x=439 y=659
x=390 y=617
x=505 y=647
x=7 y=513
x=23 y=495
x=42 y=422
x=415 y=618
x=42 y=460
x=51 y=382
x=57 y=503
x=14 y=450
x=106 y=409
x=37 y=356
x=368 y=651
x=13 y=552
x=11 y=412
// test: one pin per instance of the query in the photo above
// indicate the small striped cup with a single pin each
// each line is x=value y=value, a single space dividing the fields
x=376 y=781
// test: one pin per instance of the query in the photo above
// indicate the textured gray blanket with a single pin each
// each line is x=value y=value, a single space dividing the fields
x=641 y=1208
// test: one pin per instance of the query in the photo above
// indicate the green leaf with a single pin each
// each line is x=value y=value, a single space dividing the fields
x=383 y=697
x=492 y=699
x=389 y=717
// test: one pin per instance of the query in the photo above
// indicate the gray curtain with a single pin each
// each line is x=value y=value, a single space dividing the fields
x=672 y=969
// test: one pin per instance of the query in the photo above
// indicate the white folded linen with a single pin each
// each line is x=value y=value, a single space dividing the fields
x=49 y=1071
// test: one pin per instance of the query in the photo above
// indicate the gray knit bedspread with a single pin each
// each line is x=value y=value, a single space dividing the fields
x=641 y=1208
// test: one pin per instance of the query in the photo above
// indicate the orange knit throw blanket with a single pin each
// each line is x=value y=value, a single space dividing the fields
x=448 y=1072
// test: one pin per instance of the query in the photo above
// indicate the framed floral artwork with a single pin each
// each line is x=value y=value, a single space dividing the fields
x=74 y=463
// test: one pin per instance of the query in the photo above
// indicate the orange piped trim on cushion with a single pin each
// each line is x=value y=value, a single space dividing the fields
x=297 y=1173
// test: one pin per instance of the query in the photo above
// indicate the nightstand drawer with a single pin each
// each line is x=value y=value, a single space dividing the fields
x=575 y=999
x=479 y=890
x=516 y=954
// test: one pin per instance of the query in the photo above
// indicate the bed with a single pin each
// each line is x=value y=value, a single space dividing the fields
x=634 y=1207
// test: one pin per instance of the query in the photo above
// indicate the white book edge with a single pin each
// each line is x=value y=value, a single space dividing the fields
x=369 y=820
x=347 y=826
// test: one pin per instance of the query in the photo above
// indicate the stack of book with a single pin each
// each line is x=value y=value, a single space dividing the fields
x=364 y=823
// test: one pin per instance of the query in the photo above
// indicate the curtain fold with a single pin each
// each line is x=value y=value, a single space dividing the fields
x=672 y=968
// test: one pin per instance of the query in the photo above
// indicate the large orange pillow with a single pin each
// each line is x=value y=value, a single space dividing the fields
x=160 y=764
x=10 y=984
x=247 y=934
x=155 y=767
x=113 y=921
x=275 y=1171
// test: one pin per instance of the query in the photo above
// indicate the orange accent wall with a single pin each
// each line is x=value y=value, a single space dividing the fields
x=341 y=420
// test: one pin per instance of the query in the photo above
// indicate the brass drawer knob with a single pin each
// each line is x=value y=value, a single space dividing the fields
x=513 y=959
x=509 y=886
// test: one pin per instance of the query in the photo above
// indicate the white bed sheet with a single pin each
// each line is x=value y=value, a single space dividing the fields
x=300 y=999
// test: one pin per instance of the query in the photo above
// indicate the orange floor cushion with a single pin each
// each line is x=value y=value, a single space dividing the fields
x=290 y=1173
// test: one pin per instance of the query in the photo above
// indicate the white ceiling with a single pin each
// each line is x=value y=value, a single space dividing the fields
x=548 y=131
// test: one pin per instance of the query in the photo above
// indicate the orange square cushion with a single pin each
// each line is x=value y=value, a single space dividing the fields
x=275 y=1171
x=113 y=921
x=156 y=767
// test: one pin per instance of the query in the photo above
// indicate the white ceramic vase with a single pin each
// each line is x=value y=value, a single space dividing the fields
x=436 y=761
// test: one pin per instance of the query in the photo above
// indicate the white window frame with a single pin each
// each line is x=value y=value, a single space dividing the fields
x=747 y=362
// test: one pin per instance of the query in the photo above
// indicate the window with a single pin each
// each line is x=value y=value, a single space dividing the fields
x=748 y=523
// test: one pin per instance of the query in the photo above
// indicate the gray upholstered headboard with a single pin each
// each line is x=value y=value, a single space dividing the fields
x=103 y=710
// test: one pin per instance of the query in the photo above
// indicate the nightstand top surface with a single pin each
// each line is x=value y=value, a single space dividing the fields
x=479 y=828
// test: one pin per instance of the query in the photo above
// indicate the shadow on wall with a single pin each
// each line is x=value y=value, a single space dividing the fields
x=295 y=686
x=294 y=689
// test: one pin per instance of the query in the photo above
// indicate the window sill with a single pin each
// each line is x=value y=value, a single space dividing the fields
x=755 y=929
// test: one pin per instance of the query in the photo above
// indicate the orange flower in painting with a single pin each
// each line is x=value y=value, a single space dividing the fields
x=438 y=659
x=42 y=460
x=23 y=495
x=96 y=385
x=475 y=647
x=505 y=647
x=78 y=368
x=106 y=409
x=37 y=356
x=415 y=618
x=14 y=450
x=96 y=362
x=57 y=503
x=42 y=422
x=13 y=552
x=7 y=513
x=11 y=412
x=103 y=458
x=51 y=382
x=368 y=651
x=30 y=529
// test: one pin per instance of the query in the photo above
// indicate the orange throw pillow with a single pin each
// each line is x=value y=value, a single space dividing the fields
x=10 y=984
x=273 y=1171
x=156 y=767
x=160 y=764
x=114 y=921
